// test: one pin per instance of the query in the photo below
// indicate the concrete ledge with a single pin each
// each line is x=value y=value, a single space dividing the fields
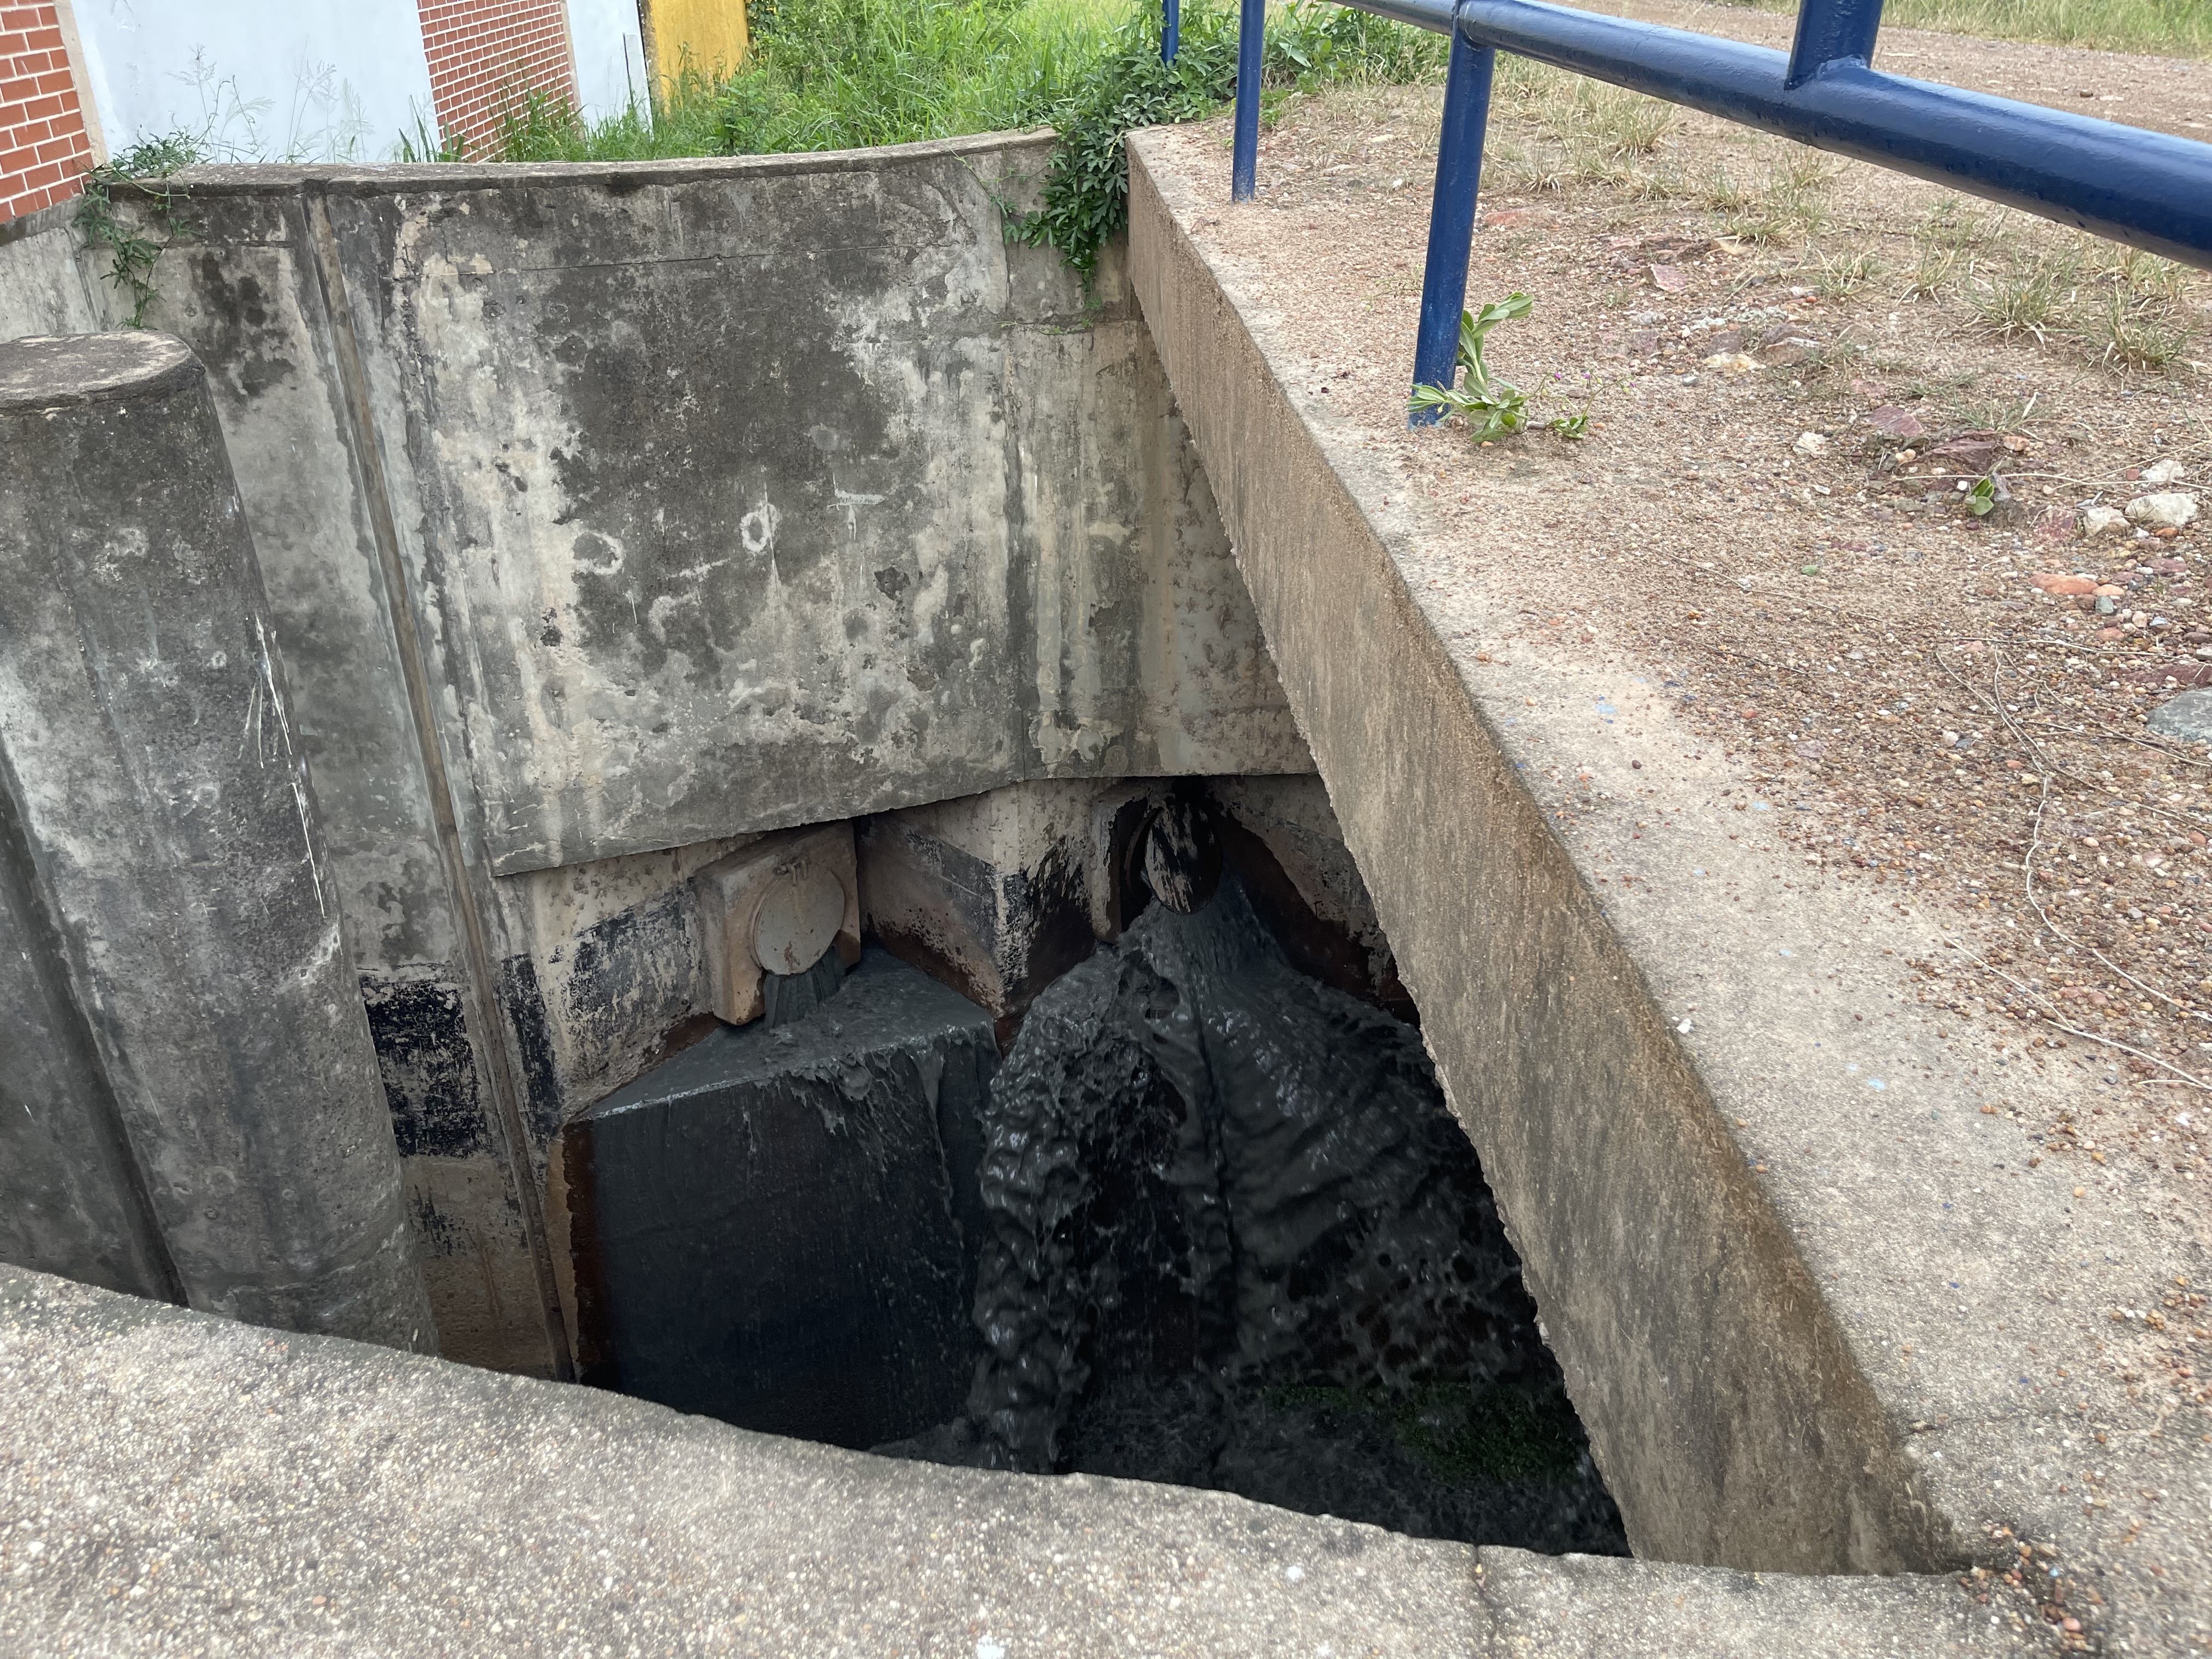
x=443 y=178
x=1789 y=1308
x=171 y=1482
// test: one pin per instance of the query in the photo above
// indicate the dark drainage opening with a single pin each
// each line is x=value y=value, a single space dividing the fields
x=1208 y=1221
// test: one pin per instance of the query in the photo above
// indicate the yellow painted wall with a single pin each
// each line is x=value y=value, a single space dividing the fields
x=708 y=34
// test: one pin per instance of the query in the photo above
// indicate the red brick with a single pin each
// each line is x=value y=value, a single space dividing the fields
x=481 y=52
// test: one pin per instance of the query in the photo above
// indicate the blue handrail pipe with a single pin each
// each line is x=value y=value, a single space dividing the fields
x=2147 y=189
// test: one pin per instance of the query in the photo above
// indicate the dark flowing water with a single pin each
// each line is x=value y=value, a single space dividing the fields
x=1236 y=1240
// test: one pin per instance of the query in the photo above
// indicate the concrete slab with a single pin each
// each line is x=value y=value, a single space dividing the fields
x=1817 y=1308
x=173 y=1483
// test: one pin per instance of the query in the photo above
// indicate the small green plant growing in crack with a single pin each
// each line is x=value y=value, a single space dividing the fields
x=1493 y=407
x=143 y=169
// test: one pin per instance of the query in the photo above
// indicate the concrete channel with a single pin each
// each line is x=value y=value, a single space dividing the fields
x=757 y=660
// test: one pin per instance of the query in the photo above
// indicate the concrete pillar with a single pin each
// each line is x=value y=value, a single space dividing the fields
x=166 y=832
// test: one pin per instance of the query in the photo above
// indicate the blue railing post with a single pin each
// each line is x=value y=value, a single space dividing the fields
x=1171 y=29
x=1251 y=41
x=1451 y=216
x=1831 y=32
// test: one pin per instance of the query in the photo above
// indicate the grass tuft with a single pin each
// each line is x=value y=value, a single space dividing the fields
x=2032 y=297
x=1792 y=205
x=2138 y=333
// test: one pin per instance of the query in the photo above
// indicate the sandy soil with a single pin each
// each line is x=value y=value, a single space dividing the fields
x=1795 y=381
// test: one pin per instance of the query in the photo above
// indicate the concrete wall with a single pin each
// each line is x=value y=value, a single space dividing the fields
x=613 y=514
x=134 y=1431
x=268 y=81
x=609 y=47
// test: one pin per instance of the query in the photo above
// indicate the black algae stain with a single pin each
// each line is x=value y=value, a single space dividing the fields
x=421 y=1041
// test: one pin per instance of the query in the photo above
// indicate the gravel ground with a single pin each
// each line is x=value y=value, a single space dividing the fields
x=1797 y=370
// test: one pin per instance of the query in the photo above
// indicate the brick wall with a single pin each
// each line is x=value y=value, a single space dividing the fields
x=44 y=147
x=483 y=52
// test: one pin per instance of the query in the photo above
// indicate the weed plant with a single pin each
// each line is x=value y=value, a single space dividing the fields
x=146 y=169
x=1492 y=406
x=1086 y=188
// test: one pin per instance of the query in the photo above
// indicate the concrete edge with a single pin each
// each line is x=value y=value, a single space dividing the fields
x=58 y=215
x=248 y=1488
x=92 y=369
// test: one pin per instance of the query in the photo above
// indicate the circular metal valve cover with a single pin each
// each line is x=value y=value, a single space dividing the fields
x=797 y=918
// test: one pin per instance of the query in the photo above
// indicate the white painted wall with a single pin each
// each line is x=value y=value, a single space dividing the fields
x=260 y=80
x=609 y=55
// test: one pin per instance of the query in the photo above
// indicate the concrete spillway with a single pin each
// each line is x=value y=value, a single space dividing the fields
x=934 y=556
x=1236 y=1241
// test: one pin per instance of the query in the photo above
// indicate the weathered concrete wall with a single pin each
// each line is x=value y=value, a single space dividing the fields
x=610 y=514
x=1000 y=893
x=166 y=829
x=995 y=893
x=1284 y=841
x=45 y=285
x=741 y=498
x=73 y=1202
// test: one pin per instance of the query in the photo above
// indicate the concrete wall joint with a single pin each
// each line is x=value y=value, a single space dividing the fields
x=488 y=1023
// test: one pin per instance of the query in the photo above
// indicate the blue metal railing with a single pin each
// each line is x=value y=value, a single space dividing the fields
x=2126 y=184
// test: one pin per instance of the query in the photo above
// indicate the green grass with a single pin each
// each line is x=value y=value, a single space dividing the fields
x=2176 y=28
x=846 y=74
